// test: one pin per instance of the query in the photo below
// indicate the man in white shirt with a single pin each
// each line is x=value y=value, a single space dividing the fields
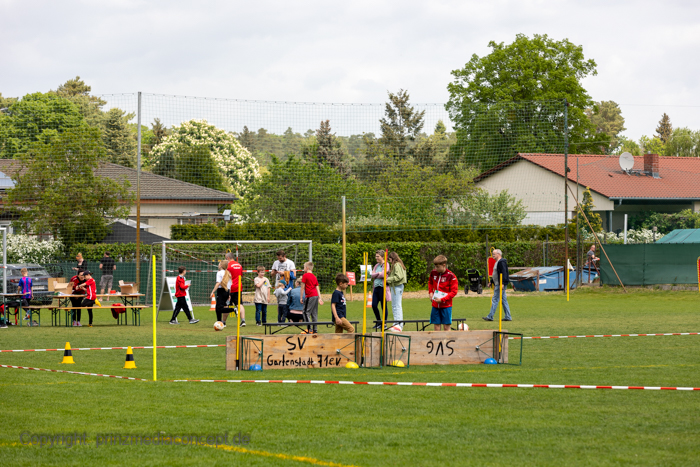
x=281 y=265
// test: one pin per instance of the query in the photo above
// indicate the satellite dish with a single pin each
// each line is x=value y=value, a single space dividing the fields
x=626 y=161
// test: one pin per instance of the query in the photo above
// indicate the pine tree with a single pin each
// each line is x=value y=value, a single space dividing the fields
x=664 y=130
x=247 y=139
x=76 y=91
x=330 y=151
x=587 y=207
x=118 y=139
x=160 y=131
x=401 y=125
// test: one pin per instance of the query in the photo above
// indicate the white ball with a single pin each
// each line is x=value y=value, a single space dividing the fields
x=218 y=326
x=463 y=327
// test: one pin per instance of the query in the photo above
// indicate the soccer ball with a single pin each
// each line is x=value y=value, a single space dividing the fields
x=218 y=326
x=463 y=327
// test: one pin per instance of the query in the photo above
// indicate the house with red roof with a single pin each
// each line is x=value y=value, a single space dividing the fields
x=654 y=183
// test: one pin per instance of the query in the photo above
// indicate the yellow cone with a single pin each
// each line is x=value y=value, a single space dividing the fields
x=351 y=365
x=397 y=363
x=129 y=359
x=67 y=354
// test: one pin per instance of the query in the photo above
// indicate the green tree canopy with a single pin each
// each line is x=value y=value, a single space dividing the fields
x=400 y=124
x=57 y=192
x=536 y=72
x=118 y=138
x=683 y=142
x=37 y=117
x=76 y=91
x=194 y=164
x=606 y=117
x=665 y=129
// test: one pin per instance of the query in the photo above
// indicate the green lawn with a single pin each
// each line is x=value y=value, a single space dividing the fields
x=369 y=425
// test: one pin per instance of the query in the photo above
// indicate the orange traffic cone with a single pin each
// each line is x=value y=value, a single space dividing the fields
x=67 y=354
x=213 y=304
x=130 y=363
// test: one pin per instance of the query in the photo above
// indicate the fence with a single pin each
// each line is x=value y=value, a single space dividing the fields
x=651 y=264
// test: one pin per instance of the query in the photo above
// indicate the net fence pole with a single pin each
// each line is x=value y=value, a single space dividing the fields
x=4 y=260
x=153 y=259
x=566 y=195
x=344 y=244
x=138 y=193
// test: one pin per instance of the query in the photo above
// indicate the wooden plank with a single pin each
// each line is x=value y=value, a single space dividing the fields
x=299 y=351
x=451 y=347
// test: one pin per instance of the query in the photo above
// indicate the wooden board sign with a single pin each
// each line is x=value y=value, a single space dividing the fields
x=288 y=351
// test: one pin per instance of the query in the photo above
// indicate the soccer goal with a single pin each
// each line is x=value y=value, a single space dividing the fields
x=201 y=258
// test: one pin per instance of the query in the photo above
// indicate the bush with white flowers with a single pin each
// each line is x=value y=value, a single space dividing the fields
x=237 y=164
x=633 y=236
x=25 y=249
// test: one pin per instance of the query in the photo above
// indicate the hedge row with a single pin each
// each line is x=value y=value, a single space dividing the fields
x=322 y=233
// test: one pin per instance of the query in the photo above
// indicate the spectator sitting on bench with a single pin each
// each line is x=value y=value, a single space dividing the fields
x=25 y=288
x=296 y=308
x=338 y=305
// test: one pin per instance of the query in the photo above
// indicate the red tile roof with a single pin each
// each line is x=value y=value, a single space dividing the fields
x=679 y=177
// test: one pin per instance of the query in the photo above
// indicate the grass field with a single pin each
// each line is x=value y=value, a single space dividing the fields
x=368 y=425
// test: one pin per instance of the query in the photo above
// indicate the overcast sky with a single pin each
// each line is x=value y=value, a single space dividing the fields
x=351 y=52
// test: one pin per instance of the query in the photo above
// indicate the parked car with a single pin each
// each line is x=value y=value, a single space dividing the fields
x=40 y=281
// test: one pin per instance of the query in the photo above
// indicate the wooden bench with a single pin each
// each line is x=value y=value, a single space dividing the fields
x=424 y=322
x=135 y=312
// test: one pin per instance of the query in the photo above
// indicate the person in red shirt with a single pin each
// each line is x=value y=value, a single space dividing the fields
x=90 y=289
x=236 y=272
x=77 y=281
x=181 y=294
x=442 y=288
x=312 y=291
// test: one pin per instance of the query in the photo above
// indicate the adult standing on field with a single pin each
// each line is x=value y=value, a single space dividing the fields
x=396 y=281
x=378 y=272
x=81 y=264
x=235 y=290
x=282 y=265
x=500 y=270
x=107 y=266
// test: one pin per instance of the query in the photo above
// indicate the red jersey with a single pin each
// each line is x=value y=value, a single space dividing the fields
x=90 y=289
x=236 y=271
x=310 y=282
x=76 y=282
x=180 y=286
x=445 y=282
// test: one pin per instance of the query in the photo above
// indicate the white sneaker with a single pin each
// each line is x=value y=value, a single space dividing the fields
x=174 y=321
x=194 y=321
x=243 y=323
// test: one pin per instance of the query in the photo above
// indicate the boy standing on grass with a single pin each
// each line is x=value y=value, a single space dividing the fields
x=282 y=295
x=180 y=293
x=262 y=296
x=235 y=289
x=311 y=295
x=90 y=296
x=442 y=288
x=338 y=305
x=25 y=288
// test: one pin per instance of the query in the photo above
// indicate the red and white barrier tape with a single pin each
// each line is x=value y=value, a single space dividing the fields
x=458 y=385
x=71 y=372
x=613 y=335
x=119 y=348
x=255 y=271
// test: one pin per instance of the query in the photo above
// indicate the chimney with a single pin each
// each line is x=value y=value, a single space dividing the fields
x=651 y=165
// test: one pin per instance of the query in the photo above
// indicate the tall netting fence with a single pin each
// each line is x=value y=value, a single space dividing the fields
x=226 y=169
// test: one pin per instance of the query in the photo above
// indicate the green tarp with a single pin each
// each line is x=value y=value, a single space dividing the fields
x=651 y=263
x=681 y=236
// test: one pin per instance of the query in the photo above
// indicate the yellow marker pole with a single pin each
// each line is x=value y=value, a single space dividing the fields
x=500 y=310
x=365 y=256
x=238 y=324
x=154 y=319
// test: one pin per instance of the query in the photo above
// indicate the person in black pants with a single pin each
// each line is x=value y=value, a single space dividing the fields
x=78 y=280
x=180 y=294
x=378 y=272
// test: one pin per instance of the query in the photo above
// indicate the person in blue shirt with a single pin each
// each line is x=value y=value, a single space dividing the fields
x=296 y=308
x=25 y=288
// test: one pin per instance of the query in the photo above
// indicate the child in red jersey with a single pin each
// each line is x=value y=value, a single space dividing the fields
x=180 y=293
x=90 y=289
x=235 y=291
x=442 y=288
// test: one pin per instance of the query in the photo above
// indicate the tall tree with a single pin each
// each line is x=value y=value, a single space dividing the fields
x=57 y=192
x=400 y=125
x=5 y=102
x=665 y=129
x=606 y=117
x=684 y=142
x=535 y=74
x=247 y=139
x=329 y=149
x=36 y=117
x=194 y=164
x=118 y=138
x=159 y=130
x=78 y=92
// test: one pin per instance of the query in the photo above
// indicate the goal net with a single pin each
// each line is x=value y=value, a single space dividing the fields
x=201 y=258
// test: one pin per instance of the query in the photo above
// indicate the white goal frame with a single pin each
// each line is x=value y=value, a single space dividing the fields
x=164 y=244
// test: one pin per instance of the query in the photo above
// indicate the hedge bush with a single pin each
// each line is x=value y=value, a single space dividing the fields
x=322 y=233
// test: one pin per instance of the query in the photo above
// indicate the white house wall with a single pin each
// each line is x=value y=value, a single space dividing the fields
x=541 y=192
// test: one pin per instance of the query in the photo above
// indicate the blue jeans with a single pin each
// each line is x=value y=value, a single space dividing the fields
x=494 y=303
x=396 y=307
x=261 y=308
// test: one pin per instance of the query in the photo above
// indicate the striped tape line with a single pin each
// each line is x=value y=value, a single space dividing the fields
x=250 y=271
x=119 y=348
x=452 y=385
x=612 y=335
x=71 y=372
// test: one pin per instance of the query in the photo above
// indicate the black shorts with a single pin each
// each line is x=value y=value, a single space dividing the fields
x=234 y=298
